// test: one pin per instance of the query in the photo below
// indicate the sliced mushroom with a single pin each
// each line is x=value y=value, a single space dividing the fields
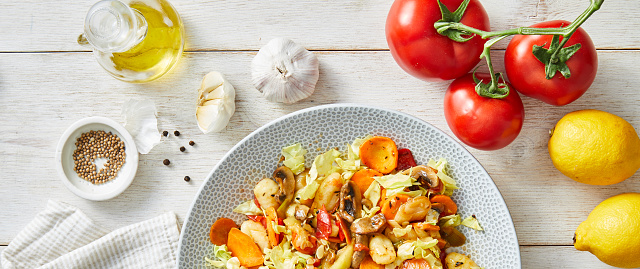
x=287 y=183
x=437 y=207
x=369 y=225
x=426 y=176
x=453 y=237
x=358 y=256
x=350 y=202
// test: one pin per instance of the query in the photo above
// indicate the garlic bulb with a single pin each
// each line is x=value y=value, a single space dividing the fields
x=216 y=103
x=284 y=71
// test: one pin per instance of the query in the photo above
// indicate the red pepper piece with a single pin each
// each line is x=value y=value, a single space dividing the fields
x=360 y=247
x=405 y=159
x=343 y=232
x=324 y=224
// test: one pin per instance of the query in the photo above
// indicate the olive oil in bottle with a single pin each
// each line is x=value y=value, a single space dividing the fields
x=135 y=41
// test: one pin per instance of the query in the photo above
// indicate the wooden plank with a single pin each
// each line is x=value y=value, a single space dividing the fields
x=43 y=93
x=552 y=257
x=316 y=24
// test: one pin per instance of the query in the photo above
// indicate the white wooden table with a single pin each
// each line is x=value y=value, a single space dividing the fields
x=47 y=82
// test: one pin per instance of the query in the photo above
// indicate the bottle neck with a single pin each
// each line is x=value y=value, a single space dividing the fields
x=112 y=26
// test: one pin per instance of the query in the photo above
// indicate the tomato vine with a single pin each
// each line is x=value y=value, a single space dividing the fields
x=554 y=58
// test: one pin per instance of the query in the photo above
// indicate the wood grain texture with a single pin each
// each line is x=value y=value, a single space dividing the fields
x=41 y=94
x=315 y=24
x=552 y=257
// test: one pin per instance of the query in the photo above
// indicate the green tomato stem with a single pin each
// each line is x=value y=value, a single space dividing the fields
x=493 y=89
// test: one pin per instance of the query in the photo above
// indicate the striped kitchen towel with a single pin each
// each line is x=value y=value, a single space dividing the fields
x=63 y=237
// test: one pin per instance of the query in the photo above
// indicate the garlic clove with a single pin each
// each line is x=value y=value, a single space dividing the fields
x=141 y=122
x=284 y=71
x=216 y=103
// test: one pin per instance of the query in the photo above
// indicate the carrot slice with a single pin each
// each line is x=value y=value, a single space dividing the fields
x=243 y=247
x=391 y=205
x=379 y=153
x=368 y=263
x=364 y=178
x=426 y=226
x=272 y=217
x=450 y=207
x=415 y=264
x=220 y=231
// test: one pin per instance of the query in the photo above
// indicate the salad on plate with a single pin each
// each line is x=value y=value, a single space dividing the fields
x=370 y=206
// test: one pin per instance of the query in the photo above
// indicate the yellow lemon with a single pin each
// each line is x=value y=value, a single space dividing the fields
x=611 y=232
x=595 y=147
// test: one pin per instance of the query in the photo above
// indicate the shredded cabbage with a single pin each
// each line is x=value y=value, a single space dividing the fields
x=450 y=221
x=369 y=212
x=432 y=217
x=248 y=208
x=294 y=157
x=373 y=193
x=400 y=232
x=323 y=164
x=472 y=223
x=282 y=257
x=421 y=248
x=448 y=182
x=397 y=181
x=234 y=263
x=309 y=191
x=221 y=256
x=416 y=193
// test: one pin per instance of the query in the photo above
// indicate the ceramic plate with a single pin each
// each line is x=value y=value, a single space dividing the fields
x=319 y=128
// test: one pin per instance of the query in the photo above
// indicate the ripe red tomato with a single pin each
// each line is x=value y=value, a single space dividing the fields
x=527 y=74
x=421 y=51
x=481 y=122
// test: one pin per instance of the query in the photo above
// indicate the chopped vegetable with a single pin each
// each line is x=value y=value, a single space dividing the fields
x=373 y=193
x=368 y=263
x=220 y=231
x=405 y=159
x=294 y=157
x=243 y=247
x=272 y=218
x=391 y=205
x=450 y=207
x=415 y=264
x=472 y=222
x=344 y=230
x=450 y=221
x=364 y=178
x=324 y=224
x=426 y=226
x=379 y=153
x=248 y=208
x=395 y=183
x=344 y=258
x=221 y=255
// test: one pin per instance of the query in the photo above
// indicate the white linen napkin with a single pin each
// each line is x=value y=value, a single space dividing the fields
x=62 y=236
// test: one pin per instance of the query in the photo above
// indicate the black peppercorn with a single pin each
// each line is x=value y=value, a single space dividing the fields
x=187 y=178
x=176 y=133
x=166 y=162
x=191 y=143
x=182 y=149
x=165 y=133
